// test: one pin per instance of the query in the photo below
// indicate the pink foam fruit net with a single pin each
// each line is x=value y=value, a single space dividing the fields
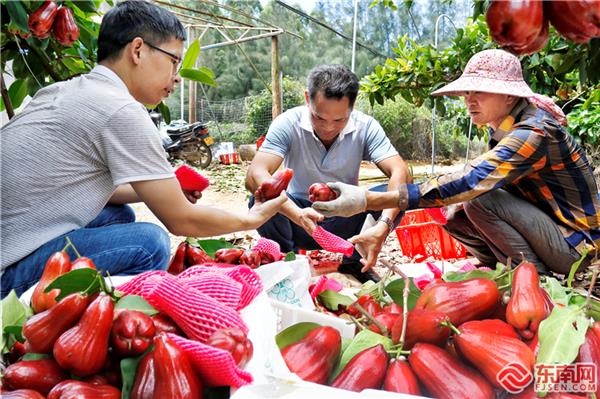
x=190 y=180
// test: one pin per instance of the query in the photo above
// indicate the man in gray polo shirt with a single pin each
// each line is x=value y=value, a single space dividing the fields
x=325 y=141
x=84 y=148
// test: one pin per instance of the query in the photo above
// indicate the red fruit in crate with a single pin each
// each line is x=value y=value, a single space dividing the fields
x=22 y=394
x=174 y=375
x=72 y=389
x=461 y=301
x=534 y=344
x=165 y=324
x=41 y=20
x=132 y=333
x=196 y=256
x=83 y=263
x=65 y=28
x=596 y=328
x=366 y=370
x=400 y=378
x=321 y=192
x=83 y=349
x=576 y=20
x=385 y=319
x=527 y=306
x=143 y=386
x=368 y=303
x=229 y=255
x=393 y=308
x=515 y=24
x=423 y=326
x=589 y=352
x=445 y=377
x=234 y=341
x=43 y=329
x=312 y=358
x=177 y=264
x=251 y=258
x=190 y=180
x=17 y=350
x=530 y=393
x=492 y=326
x=58 y=263
x=40 y=374
x=492 y=354
x=272 y=187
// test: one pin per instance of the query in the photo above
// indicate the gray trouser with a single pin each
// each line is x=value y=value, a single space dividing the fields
x=498 y=225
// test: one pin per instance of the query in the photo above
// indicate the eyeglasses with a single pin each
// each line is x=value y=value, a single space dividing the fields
x=176 y=59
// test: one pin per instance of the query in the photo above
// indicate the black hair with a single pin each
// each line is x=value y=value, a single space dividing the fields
x=334 y=81
x=136 y=18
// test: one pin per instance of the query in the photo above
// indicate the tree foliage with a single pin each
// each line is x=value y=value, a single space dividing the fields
x=567 y=71
x=37 y=63
x=260 y=105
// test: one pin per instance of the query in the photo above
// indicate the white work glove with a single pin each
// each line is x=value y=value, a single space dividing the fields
x=350 y=201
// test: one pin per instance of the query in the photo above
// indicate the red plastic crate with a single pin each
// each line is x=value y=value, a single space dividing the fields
x=227 y=159
x=418 y=235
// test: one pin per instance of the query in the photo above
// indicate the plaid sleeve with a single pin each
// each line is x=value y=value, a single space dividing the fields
x=517 y=155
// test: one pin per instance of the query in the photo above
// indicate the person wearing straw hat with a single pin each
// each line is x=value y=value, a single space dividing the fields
x=531 y=195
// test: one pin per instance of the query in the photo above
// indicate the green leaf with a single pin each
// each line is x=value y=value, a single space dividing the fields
x=165 y=112
x=14 y=313
x=211 y=246
x=197 y=75
x=561 y=334
x=294 y=333
x=136 y=302
x=85 y=5
x=35 y=356
x=189 y=60
x=129 y=367
x=76 y=281
x=74 y=65
x=18 y=14
x=17 y=92
x=16 y=331
x=395 y=291
x=458 y=276
x=557 y=292
x=575 y=267
x=368 y=287
x=290 y=256
x=363 y=340
x=332 y=300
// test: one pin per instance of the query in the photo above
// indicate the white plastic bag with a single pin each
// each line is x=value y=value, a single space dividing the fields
x=288 y=281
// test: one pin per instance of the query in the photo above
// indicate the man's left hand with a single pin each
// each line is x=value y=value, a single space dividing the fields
x=370 y=243
x=193 y=196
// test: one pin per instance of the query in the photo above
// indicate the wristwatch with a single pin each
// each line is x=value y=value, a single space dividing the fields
x=387 y=221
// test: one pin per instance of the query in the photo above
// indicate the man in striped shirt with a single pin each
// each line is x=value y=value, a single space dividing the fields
x=532 y=195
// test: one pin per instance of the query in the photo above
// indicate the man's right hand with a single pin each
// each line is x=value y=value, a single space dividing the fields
x=350 y=201
x=308 y=219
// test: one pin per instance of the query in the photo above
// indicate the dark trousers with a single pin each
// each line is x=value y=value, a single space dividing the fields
x=498 y=225
x=292 y=237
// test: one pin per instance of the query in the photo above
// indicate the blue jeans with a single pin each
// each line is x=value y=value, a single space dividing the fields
x=112 y=240
x=292 y=237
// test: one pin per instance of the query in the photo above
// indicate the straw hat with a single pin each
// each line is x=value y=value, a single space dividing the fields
x=490 y=71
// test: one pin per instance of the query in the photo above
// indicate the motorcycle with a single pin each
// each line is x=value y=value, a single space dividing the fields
x=187 y=141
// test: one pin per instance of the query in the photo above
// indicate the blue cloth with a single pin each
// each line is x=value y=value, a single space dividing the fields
x=113 y=241
x=292 y=237
x=292 y=138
